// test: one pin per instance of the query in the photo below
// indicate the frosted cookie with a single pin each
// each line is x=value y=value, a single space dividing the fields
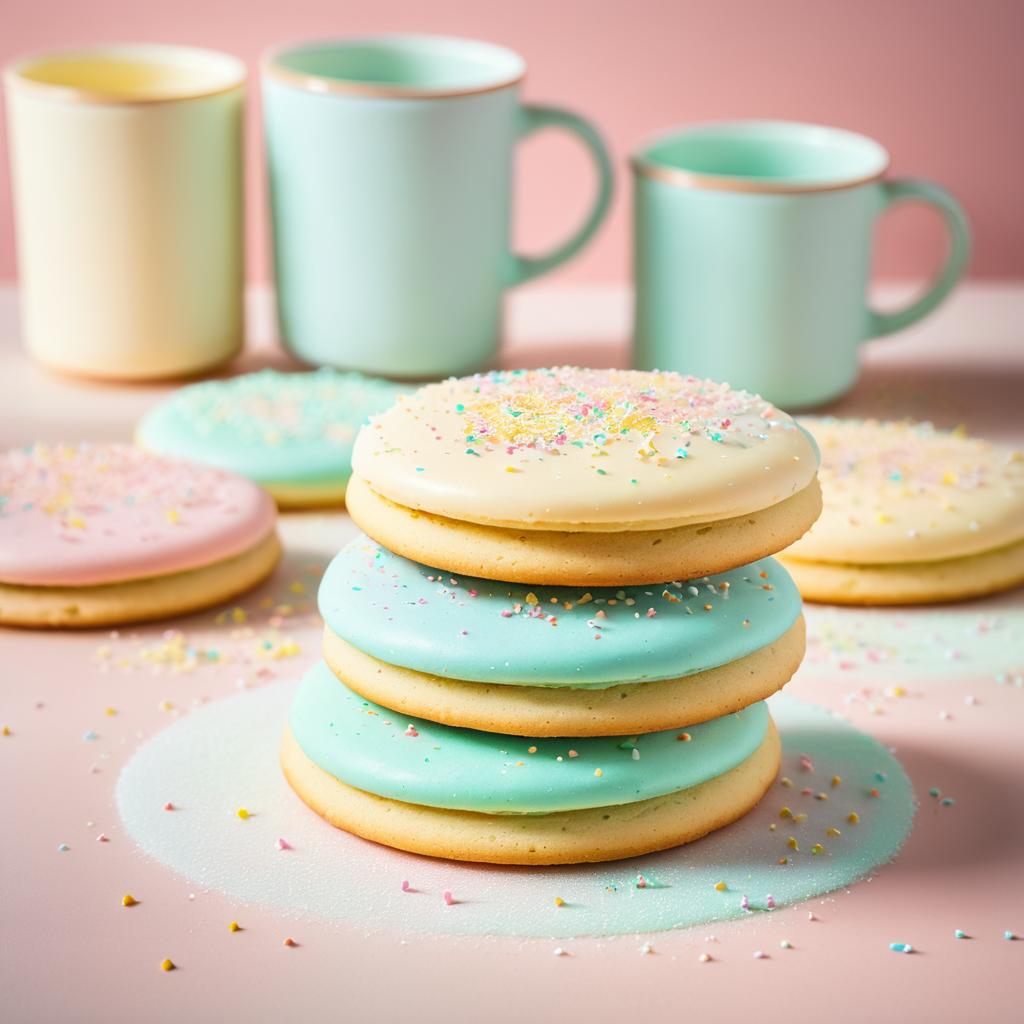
x=290 y=432
x=583 y=477
x=556 y=661
x=96 y=535
x=912 y=515
x=468 y=795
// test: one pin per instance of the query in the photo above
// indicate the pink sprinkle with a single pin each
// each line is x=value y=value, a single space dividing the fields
x=406 y=887
x=651 y=613
x=101 y=838
x=506 y=614
x=744 y=903
x=168 y=806
x=770 y=902
x=806 y=791
x=472 y=593
x=806 y=764
x=641 y=882
x=412 y=731
x=449 y=898
x=464 y=632
x=283 y=844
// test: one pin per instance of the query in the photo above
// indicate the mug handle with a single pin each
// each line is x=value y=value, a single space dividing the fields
x=916 y=189
x=533 y=118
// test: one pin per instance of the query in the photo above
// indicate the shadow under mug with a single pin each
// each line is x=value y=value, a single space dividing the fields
x=753 y=252
x=390 y=166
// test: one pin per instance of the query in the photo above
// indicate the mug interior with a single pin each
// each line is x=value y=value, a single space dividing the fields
x=408 y=64
x=783 y=153
x=132 y=73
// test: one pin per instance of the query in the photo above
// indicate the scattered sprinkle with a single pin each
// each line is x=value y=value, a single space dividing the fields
x=168 y=965
x=243 y=813
x=128 y=900
x=901 y=947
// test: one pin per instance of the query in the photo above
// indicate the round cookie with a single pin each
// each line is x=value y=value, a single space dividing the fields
x=577 y=477
x=290 y=432
x=912 y=515
x=558 y=661
x=96 y=535
x=571 y=837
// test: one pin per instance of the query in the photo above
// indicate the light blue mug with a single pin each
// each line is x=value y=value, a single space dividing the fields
x=390 y=166
x=753 y=253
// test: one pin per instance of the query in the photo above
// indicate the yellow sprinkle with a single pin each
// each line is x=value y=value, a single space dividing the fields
x=836 y=781
x=238 y=615
x=853 y=818
x=173 y=515
x=167 y=965
x=519 y=764
x=817 y=848
x=720 y=887
x=531 y=598
x=531 y=750
x=165 y=705
x=6 y=731
x=296 y=587
x=787 y=782
x=111 y=712
x=785 y=813
x=792 y=843
x=243 y=813
x=598 y=773
x=783 y=860
x=833 y=832
x=799 y=818
x=949 y=477
x=559 y=902
x=821 y=796
x=128 y=900
x=586 y=598
x=77 y=522
x=883 y=518
x=511 y=469
x=234 y=927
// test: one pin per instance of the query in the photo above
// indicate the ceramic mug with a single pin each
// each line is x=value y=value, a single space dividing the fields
x=390 y=166
x=753 y=250
x=127 y=179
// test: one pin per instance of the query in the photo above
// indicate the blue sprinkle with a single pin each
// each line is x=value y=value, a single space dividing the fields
x=960 y=934
x=1010 y=936
x=901 y=947
x=947 y=801
x=63 y=848
x=881 y=776
x=89 y=736
x=934 y=791
x=419 y=469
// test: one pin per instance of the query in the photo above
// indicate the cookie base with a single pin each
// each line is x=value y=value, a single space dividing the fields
x=569 y=837
x=952 y=579
x=540 y=711
x=599 y=559
x=299 y=497
x=155 y=597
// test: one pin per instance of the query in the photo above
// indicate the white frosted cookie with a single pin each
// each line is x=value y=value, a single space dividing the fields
x=574 y=476
x=912 y=515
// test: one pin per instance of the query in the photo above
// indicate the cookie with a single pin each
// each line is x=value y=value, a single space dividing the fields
x=912 y=515
x=98 y=535
x=470 y=795
x=553 y=660
x=290 y=432
x=568 y=711
x=583 y=477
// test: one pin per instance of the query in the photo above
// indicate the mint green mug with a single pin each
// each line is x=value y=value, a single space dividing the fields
x=390 y=167
x=753 y=252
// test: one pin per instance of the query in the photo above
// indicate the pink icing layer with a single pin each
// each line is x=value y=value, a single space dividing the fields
x=73 y=515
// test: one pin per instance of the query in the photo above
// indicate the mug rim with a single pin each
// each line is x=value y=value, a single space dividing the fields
x=645 y=165
x=14 y=73
x=272 y=67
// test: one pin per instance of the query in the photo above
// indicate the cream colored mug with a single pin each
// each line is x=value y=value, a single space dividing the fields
x=126 y=165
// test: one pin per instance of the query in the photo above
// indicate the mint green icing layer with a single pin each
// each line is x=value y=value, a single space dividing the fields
x=460 y=627
x=275 y=428
x=373 y=749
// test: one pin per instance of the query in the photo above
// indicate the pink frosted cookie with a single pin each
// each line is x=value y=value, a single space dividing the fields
x=95 y=535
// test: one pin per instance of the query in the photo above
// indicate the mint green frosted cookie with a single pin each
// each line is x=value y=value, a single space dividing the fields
x=290 y=432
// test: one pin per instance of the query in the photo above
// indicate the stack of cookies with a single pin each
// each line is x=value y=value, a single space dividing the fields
x=554 y=643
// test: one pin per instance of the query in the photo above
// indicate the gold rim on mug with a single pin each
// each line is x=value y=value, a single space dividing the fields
x=14 y=76
x=728 y=183
x=324 y=84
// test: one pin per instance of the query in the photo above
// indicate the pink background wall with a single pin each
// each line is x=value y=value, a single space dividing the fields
x=939 y=82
